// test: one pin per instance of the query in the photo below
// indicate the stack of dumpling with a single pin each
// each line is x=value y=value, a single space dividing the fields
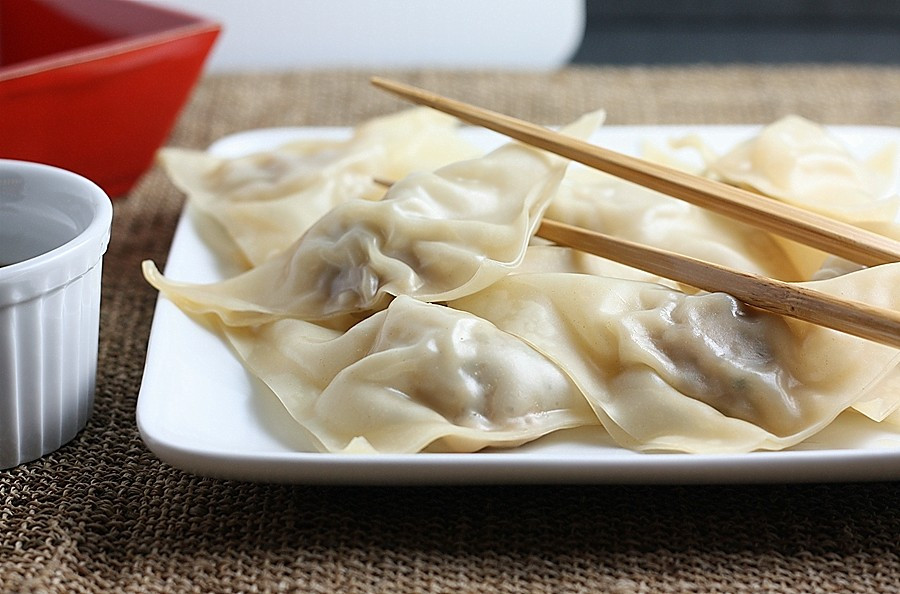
x=428 y=317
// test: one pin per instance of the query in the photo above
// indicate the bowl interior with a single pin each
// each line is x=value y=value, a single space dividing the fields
x=29 y=228
x=44 y=208
x=41 y=29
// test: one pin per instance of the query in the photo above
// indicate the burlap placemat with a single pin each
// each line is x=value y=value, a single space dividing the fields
x=103 y=514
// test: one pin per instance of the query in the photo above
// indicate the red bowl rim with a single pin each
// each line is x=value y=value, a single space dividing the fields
x=113 y=47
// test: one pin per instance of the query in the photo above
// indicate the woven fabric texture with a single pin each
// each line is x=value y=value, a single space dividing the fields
x=103 y=514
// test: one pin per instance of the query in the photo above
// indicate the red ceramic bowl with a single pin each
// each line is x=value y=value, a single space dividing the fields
x=94 y=86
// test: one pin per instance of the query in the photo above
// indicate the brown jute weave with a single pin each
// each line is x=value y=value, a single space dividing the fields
x=104 y=515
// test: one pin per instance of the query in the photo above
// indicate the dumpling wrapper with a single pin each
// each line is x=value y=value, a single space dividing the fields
x=802 y=163
x=878 y=402
x=266 y=200
x=696 y=373
x=411 y=377
x=606 y=204
x=547 y=257
x=435 y=236
x=799 y=162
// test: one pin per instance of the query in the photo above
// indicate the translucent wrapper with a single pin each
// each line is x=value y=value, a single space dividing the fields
x=434 y=236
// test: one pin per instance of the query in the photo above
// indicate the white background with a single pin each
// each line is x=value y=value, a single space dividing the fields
x=289 y=34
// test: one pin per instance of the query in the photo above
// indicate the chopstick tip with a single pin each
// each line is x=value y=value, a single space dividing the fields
x=384 y=83
x=404 y=90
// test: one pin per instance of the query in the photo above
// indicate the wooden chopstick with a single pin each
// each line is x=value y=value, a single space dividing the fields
x=823 y=233
x=852 y=317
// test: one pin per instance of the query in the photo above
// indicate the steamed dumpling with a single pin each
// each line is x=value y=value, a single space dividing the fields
x=603 y=203
x=694 y=373
x=798 y=161
x=802 y=163
x=266 y=200
x=435 y=236
x=411 y=377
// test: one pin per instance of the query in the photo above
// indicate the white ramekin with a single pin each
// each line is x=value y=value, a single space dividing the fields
x=54 y=228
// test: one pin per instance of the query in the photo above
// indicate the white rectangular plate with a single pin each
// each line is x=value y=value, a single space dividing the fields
x=200 y=411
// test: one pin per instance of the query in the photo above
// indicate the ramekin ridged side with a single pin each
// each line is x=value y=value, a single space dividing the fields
x=51 y=353
x=49 y=322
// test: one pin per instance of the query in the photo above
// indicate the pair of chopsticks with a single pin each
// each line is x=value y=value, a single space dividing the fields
x=849 y=242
